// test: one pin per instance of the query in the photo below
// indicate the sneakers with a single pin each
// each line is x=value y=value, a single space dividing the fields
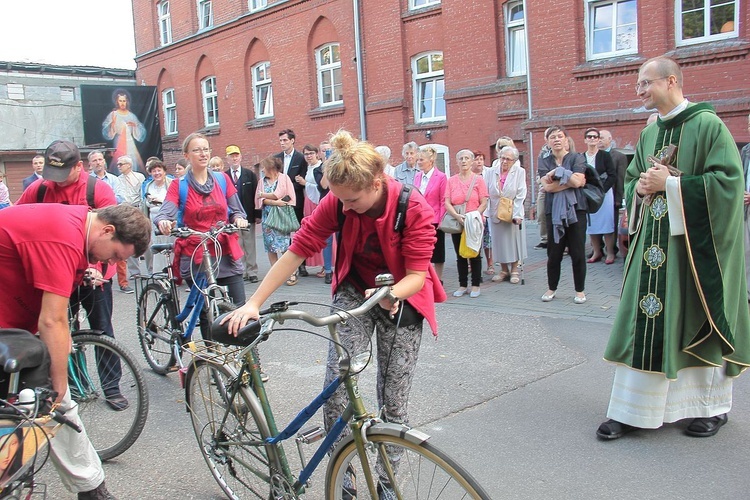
x=349 y=488
x=100 y=493
x=385 y=492
x=127 y=289
x=541 y=245
x=328 y=278
x=251 y=279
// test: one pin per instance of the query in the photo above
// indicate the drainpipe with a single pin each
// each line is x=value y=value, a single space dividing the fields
x=532 y=157
x=360 y=77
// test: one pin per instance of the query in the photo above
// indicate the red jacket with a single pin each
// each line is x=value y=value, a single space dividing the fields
x=410 y=249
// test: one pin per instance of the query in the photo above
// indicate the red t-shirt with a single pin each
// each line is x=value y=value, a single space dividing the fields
x=367 y=258
x=74 y=194
x=42 y=249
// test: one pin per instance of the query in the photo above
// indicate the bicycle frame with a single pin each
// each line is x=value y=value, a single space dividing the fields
x=204 y=292
x=355 y=414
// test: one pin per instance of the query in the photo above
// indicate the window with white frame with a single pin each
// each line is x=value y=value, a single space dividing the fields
x=205 y=14
x=612 y=28
x=165 y=23
x=210 y=102
x=418 y=4
x=170 y=112
x=429 y=87
x=330 y=90
x=257 y=4
x=262 y=90
x=700 y=21
x=15 y=91
x=515 y=26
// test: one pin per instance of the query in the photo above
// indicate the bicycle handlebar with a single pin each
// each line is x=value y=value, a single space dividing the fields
x=186 y=232
x=280 y=312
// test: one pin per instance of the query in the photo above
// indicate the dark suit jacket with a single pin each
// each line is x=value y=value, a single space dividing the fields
x=621 y=165
x=298 y=166
x=604 y=165
x=28 y=181
x=246 y=185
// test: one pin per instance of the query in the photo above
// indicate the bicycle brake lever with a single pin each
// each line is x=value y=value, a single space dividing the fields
x=60 y=418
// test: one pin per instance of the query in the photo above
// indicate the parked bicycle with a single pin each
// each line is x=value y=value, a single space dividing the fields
x=109 y=387
x=163 y=328
x=237 y=434
x=28 y=418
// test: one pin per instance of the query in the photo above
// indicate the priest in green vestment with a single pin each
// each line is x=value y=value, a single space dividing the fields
x=682 y=330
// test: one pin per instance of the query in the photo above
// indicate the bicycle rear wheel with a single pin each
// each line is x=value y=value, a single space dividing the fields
x=100 y=370
x=156 y=321
x=408 y=468
x=231 y=441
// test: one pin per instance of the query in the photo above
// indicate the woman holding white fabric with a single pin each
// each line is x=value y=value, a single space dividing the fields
x=507 y=180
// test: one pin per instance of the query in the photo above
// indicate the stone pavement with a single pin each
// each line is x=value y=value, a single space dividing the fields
x=603 y=283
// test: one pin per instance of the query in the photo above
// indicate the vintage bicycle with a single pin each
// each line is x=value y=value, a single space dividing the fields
x=163 y=328
x=237 y=434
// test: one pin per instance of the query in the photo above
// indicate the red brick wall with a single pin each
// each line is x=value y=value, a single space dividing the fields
x=482 y=102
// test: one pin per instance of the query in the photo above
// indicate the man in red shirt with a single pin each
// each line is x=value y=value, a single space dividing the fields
x=64 y=181
x=45 y=249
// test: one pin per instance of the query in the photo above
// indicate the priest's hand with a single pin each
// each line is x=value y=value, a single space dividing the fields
x=653 y=180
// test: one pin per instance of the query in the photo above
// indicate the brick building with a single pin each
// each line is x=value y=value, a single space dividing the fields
x=445 y=72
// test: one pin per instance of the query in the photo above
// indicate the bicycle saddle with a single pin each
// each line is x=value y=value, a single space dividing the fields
x=20 y=349
x=161 y=247
x=247 y=334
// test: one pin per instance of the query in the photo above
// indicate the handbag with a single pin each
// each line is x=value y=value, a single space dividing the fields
x=282 y=218
x=451 y=225
x=593 y=190
x=505 y=209
x=464 y=251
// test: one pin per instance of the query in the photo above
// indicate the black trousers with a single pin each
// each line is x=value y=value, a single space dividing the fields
x=575 y=240
x=463 y=265
x=97 y=301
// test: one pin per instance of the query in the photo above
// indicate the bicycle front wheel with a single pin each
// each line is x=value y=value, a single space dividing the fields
x=156 y=320
x=230 y=430
x=110 y=390
x=405 y=468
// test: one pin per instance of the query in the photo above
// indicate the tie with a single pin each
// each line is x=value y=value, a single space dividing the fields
x=235 y=175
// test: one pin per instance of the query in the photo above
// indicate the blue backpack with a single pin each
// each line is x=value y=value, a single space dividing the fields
x=220 y=179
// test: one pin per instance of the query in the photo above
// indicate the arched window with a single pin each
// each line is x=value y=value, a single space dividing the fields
x=429 y=87
x=328 y=61
x=210 y=102
x=169 y=107
x=262 y=90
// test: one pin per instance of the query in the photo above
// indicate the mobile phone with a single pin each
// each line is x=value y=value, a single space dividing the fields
x=286 y=198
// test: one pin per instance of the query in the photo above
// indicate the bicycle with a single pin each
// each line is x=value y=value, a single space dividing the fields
x=238 y=437
x=28 y=419
x=101 y=368
x=161 y=329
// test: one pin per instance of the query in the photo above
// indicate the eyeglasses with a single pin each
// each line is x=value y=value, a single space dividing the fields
x=198 y=151
x=505 y=158
x=590 y=136
x=645 y=84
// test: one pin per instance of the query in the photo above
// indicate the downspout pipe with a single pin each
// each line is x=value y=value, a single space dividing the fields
x=360 y=72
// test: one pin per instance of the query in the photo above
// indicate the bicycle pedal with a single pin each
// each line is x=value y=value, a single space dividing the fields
x=311 y=435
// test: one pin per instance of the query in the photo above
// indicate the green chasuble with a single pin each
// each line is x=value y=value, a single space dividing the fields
x=684 y=299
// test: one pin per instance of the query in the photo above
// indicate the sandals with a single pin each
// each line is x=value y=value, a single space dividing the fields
x=706 y=426
x=514 y=278
x=500 y=277
x=612 y=429
x=490 y=271
x=292 y=280
x=321 y=274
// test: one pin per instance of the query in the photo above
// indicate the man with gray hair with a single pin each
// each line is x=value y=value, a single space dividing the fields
x=129 y=193
x=98 y=168
x=621 y=164
x=406 y=171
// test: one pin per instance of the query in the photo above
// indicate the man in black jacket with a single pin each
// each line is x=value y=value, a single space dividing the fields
x=246 y=183
x=294 y=165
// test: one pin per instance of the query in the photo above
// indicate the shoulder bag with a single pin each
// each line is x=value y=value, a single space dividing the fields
x=451 y=225
x=282 y=219
x=505 y=209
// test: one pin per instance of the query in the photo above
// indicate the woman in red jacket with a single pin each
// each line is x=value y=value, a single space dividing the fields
x=369 y=246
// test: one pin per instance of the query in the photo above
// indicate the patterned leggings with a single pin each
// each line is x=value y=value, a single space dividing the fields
x=396 y=354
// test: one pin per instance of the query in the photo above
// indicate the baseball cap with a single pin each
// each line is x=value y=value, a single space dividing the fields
x=59 y=159
x=233 y=150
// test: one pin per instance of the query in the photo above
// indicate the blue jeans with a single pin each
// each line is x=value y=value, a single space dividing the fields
x=328 y=254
